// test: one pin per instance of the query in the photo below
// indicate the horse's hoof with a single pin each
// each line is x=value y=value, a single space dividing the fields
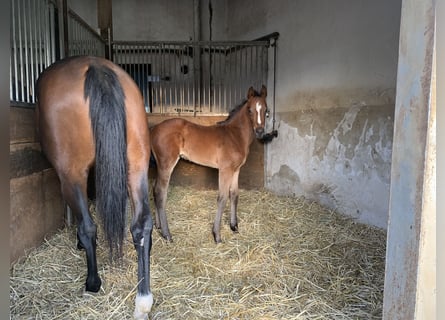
x=234 y=227
x=87 y=294
x=93 y=286
x=79 y=246
x=143 y=306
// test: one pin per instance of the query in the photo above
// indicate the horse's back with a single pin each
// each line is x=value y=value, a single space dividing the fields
x=63 y=112
x=197 y=143
x=183 y=127
x=65 y=79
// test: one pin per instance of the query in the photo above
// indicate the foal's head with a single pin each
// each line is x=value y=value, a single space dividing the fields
x=257 y=110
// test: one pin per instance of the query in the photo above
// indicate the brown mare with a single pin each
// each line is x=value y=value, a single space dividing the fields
x=90 y=112
x=223 y=146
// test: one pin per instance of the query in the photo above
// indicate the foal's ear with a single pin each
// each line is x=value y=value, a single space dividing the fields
x=250 y=93
x=263 y=91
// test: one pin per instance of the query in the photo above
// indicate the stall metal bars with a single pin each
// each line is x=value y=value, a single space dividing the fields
x=194 y=78
x=33 y=45
x=37 y=40
x=82 y=39
x=174 y=77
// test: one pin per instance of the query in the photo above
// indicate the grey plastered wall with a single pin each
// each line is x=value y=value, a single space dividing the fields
x=170 y=20
x=86 y=9
x=340 y=157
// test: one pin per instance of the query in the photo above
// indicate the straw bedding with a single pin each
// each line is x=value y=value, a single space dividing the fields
x=292 y=259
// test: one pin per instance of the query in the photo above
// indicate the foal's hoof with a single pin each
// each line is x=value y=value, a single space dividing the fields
x=167 y=238
x=216 y=238
x=234 y=227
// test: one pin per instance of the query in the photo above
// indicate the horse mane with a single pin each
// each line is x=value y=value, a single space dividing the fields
x=235 y=110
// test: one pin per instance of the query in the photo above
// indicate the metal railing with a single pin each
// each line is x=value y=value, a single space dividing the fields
x=82 y=39
x=194 y=77
x=38 y=39
x=34 y=45
x=177 y=77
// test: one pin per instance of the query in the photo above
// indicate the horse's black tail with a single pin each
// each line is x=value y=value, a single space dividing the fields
x=107 y=113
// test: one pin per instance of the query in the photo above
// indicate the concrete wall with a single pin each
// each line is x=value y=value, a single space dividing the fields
x=171 y=20
x=153 y=20
x=335 y=91
x=86 y=9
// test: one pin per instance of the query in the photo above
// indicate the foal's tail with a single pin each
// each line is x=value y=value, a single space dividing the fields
x=107 y=113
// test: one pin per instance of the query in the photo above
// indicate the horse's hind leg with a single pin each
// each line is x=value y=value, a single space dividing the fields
x=160 y=198
x=164 y=171
x=75 y=195
x=141 y=230
x=234 y=202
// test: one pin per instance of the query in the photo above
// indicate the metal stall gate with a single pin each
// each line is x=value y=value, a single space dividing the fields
x=175 y=77
x=83 y=39
x=38 y=38
x=33 y=45
x=195 y=78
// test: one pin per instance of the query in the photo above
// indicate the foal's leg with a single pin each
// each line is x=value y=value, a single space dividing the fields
x=164 y=170
x=75 y=195
x=141 y=231
x=224 y=179
x=234 y=202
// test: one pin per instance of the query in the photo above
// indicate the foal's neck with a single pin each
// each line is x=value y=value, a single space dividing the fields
x=242 y=122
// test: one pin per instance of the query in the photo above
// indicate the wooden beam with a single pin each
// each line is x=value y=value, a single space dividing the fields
x=105 y=18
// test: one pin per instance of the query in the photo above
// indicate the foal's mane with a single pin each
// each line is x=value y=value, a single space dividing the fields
x=235 y=110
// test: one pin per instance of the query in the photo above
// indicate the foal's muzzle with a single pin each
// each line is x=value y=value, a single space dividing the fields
x=259 y=132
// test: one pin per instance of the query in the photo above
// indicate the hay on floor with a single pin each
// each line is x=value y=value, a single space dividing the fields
x=292 y=259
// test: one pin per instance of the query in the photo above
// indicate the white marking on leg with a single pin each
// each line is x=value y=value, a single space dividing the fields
x=258 y=108
x=142 y=241
x=143 y=306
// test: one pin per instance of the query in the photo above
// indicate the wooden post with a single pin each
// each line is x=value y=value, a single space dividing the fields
x=105 y=22
x=62 y=7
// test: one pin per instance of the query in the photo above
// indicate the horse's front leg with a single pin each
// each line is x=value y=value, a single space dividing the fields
x=234 y=195
x=224 y=180
x=141 y=231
